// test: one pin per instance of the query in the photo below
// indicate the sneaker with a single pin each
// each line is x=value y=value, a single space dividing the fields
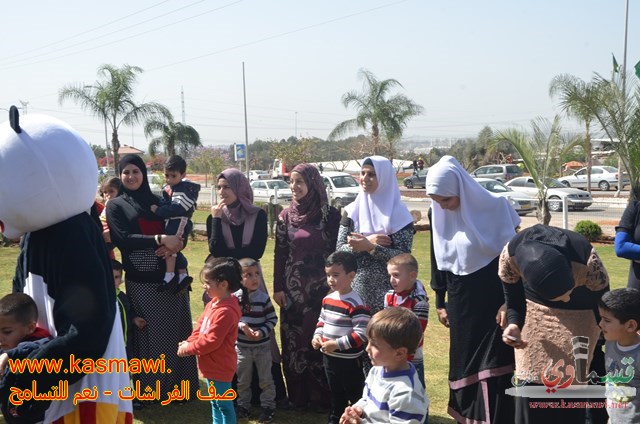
x=183 y=285
x=242 y=412
x=266 y=416
x=170 y=286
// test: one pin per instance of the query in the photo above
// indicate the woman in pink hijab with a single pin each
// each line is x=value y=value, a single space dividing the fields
x=238 y=229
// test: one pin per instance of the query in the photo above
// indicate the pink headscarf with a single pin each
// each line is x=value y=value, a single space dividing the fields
x=242 y=211
x=315 y=203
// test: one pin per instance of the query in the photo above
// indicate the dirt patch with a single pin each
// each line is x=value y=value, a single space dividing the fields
x=413 y=192
x=608 y=222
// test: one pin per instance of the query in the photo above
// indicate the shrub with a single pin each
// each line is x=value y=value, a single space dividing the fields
x=589 y=229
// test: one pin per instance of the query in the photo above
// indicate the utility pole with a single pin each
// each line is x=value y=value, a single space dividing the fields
x=24 y=106
x=184 y=120
x=624 y=88
x=246 y=130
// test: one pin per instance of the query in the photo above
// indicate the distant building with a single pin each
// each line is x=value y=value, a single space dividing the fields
x=126 y=150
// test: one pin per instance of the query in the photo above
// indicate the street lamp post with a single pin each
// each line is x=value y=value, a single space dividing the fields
x=624 y=83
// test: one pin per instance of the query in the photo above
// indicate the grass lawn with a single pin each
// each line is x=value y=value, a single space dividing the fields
x=436 y=346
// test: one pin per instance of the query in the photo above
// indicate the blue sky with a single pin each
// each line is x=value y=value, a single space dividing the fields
x=469 y=63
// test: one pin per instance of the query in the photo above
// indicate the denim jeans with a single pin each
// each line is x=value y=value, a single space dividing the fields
x=222 y=411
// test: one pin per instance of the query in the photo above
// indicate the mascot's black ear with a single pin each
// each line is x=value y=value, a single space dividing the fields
x=14 y=119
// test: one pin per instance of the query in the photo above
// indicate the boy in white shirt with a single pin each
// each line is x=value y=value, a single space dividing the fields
x=393 y=393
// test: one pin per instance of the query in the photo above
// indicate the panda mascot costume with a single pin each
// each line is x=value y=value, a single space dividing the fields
x=48 y=180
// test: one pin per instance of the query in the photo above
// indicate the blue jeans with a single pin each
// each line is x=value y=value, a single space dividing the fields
x=222 y=411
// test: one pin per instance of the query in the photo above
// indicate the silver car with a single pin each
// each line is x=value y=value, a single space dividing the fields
x=556 y=191
x=522 y=202
x=501 y=172
x=602 y=177
x=417 y=180
x=267 y=190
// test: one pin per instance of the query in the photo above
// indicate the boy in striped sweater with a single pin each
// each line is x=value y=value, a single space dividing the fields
x=253 y=347
x=341 y=333
x=392 y=393
x=408 y=292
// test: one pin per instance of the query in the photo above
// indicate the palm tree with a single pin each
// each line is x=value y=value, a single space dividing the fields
x=173 y=136
x=378 y=113
x=111 y=99
x=539 y=151
x=617 y=110
x=578 y=99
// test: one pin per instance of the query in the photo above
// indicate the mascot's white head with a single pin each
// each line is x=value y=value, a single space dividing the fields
x=48 y=173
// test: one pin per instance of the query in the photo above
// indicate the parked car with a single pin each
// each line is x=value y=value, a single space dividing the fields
x=266 y=191
x=500 y=172
x=104 y=171
x=342 y=187
x=255 y=175
x=417 y=180
x=602 y=177
x=522 y=202
x=556 y=191
x=156 y=182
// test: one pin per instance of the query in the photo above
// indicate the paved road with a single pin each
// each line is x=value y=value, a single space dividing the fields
x=606 y=210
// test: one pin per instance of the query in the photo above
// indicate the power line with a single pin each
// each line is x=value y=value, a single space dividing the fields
x=282 y=34
x=118 y=40
x=85 y=32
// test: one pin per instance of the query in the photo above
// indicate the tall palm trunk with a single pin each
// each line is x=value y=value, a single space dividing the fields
x=375 y=139
x=115 y=144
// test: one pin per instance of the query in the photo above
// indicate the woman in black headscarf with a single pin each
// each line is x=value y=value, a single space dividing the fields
x=553 y=281
x=137 y=232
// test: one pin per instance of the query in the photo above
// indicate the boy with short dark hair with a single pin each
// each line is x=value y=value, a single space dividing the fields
x=392 y=393
x=19 y=335
x=408 y=292
x=19 y=321
x=253 y=345
x=341 y=333
x=620 y=323
x=179 y=198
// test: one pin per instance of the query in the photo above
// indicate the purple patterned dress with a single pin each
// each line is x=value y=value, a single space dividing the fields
x=300 y=253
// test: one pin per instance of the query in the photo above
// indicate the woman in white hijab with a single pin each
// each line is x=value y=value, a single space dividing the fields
x=377 y=227
x=469 y=228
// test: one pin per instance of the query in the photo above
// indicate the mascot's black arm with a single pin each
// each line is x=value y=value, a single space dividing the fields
x=83 y=292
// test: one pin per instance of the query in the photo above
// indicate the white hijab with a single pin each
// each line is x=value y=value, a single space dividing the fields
x=380 y=212
x=470 y=237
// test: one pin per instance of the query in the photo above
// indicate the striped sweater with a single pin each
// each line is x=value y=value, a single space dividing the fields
x=393 y=397
x=262 y=317
x=344 y=318
x=416 y=300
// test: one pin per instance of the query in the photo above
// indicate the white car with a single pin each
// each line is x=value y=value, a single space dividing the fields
x=267 y=190
x=343 y=188
x=522 y=202
x=602 y=177
x=556 y=191
x=255 y=175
